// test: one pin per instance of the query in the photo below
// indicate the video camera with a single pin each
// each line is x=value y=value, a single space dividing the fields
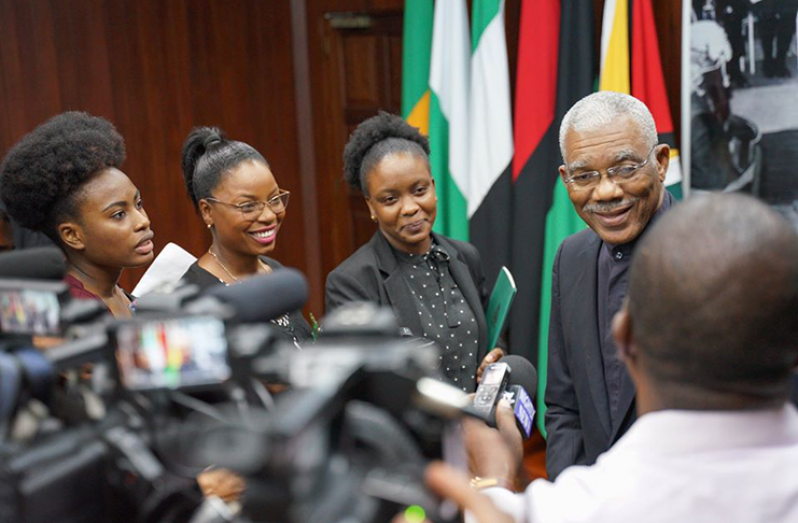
x=348 y=441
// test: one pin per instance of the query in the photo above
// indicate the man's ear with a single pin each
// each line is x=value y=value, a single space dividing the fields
x=206 y=213
x=562 y=173
x=623 y=334
x=663 y=160
x=72 y=235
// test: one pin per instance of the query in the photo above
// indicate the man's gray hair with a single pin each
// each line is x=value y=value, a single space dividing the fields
x=599 y=109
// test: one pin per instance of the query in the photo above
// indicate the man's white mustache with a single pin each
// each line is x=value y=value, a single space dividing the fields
x=601 y=207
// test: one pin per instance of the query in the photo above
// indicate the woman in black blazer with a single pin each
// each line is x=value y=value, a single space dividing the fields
x=433 y=283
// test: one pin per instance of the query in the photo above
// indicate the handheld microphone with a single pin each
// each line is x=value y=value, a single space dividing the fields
x=41 y=263
x=266 y=297
x=509 y=378
x=520 y=392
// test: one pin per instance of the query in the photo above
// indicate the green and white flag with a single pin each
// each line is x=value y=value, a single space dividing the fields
x=491 y=135
x=491 y=150
x=448 y=120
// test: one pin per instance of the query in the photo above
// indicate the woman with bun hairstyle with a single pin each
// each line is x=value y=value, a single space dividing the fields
x=63 y=179
x=235 y=193
x=433 y=283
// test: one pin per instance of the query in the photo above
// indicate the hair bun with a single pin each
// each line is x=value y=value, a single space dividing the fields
x=214 y=137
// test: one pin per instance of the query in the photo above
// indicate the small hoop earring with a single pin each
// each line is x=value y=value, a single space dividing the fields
x=374 y=219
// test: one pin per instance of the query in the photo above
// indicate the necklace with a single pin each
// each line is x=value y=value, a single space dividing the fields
x=260 y=262
x=210 y=251
x=284 y=320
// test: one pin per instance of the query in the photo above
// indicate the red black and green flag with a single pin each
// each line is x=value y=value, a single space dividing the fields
x=556 y=68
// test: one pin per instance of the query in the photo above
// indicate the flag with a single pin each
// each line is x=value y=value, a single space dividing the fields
x=643 y=78
x=417 y=45
x=615 y=47
x=648 y=85
x=448 y=121
x=491 y=138
x=555 y=69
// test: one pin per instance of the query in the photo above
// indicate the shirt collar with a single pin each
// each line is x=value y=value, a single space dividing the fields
x=436 y=252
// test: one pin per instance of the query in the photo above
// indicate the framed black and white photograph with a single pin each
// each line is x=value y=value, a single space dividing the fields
x=740 y=98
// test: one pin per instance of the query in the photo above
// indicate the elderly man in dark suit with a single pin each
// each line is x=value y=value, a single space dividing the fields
x=614 y=171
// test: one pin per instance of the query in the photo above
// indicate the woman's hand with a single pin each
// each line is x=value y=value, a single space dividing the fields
x=492 y=357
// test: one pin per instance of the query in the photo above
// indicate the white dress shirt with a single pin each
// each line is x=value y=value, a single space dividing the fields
x=677 y=466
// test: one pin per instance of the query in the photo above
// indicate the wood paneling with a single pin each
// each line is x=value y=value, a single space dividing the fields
x=157 y=68
x=355 y=66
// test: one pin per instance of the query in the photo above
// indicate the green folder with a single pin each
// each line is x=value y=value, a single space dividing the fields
x=499 y=305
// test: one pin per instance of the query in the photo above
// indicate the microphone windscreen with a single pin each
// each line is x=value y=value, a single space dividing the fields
x=266 y=297
x=40 y=263
x=522 y=372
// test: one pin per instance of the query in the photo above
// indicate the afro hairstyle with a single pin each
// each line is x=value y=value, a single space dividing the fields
x=42 y=175
x=375 y=139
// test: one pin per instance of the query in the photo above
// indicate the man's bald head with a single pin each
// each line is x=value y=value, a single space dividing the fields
x=713 y=299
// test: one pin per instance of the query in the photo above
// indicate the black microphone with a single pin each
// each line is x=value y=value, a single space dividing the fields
x=266 y=297
x=40 y=263
x=520 y=391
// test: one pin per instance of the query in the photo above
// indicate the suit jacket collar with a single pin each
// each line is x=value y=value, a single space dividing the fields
x=399 y=293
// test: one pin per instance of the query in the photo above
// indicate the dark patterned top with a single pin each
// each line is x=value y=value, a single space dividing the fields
x=291 y=327
x=446 y=318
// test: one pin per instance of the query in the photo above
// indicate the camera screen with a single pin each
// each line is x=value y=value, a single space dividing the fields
x=494 y=374
x=27 y=311
x=172 y=353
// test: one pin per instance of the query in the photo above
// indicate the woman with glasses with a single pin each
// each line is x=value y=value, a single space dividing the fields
x=433 y=283
x=236 y=195
x=63 y=180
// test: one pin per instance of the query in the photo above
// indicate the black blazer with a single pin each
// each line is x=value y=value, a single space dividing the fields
x=578 y=416
x=370 y=275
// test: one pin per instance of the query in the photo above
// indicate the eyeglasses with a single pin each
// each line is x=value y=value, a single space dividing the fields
x=252 y=210
x=617 y=175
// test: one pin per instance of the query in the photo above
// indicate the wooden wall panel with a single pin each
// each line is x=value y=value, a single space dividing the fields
x=156 y=68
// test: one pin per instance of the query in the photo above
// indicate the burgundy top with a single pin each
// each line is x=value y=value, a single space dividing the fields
x=79 y=292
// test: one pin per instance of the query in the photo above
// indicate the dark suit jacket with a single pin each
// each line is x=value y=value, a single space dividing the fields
x=578 y=416
x=370 y=275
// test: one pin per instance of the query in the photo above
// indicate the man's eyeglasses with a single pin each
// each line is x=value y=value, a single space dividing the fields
x=252 y=210
x=617 y=175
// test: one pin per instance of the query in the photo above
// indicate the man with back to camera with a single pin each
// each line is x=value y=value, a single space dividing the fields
x=614 y=171
x=709 y=335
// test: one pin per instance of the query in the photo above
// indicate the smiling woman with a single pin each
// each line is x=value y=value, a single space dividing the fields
x=63 y=179
x=234 y=191
x=433 y=283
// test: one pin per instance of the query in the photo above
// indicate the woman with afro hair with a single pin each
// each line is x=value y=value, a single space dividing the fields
x=63 y=179
x=433 y=283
